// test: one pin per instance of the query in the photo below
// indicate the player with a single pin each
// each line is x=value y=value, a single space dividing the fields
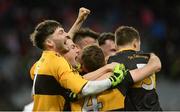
x=142 y=95
x=83 y=13
x=107 y=44
x=82 y=38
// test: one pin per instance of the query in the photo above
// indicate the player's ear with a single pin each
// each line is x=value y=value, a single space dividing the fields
x=136 y=44
x=49 y=43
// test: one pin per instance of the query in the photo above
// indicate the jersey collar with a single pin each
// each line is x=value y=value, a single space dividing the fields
x=51 y=52
x=125 y=49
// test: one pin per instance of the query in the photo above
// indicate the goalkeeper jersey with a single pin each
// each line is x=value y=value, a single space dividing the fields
x=141 y=95
x=52 y=76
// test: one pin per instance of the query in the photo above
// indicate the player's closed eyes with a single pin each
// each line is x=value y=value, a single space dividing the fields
x=61 y=31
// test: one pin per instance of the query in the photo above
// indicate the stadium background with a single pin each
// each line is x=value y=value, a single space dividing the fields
x=157 y=21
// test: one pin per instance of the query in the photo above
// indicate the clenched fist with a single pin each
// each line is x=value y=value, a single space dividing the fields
x=83 y=13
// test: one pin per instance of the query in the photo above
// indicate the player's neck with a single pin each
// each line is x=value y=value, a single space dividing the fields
x=52 y=50
x=126 y=47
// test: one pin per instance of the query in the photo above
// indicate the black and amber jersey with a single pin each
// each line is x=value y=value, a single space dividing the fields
x=52 y=77
x=141 y=95
x=104 y=101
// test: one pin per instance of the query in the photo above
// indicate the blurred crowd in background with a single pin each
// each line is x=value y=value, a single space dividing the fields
x=156 y=20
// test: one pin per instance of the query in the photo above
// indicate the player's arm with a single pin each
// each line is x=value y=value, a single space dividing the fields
x=94 y=87
x=32 y=71
x=79 y=85
x=83 y=13
x=106 y=75
x=153 y=65
x=101 y=72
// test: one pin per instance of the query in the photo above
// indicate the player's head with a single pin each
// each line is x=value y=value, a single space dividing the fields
x=84 y=37
x=127 y=36
x=92 y=58
x=107 y=44
x=73 y=53
x=50 y=35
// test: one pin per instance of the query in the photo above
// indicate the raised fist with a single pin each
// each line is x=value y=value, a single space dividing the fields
x=83 y=13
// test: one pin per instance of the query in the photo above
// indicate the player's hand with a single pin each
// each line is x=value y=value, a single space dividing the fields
x=155 y=61
x=110 y=67
x=83 y=13
x=118 y=74
x=71 y=95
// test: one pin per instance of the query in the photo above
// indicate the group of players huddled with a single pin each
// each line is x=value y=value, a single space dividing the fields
x=86 y=71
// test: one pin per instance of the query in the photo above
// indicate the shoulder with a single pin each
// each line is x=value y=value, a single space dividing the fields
x=32 y=70
x=140 y=55
x=118 y=57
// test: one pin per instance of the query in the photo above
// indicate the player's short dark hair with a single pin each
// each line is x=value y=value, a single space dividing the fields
x=84 y=32
x=42 y=31
x=92 y=58
x=105 y=36
x=125 y=35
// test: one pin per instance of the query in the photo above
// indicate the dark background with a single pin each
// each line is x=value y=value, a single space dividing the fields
x=158 y=22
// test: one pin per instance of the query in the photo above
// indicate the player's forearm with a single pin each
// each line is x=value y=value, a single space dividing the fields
x=104 y=76
x=155 y=62
x=95 y=87
x=76 y=26
x=83 y=13
x=98 y=73
x=142 y=73
x=154 y=65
